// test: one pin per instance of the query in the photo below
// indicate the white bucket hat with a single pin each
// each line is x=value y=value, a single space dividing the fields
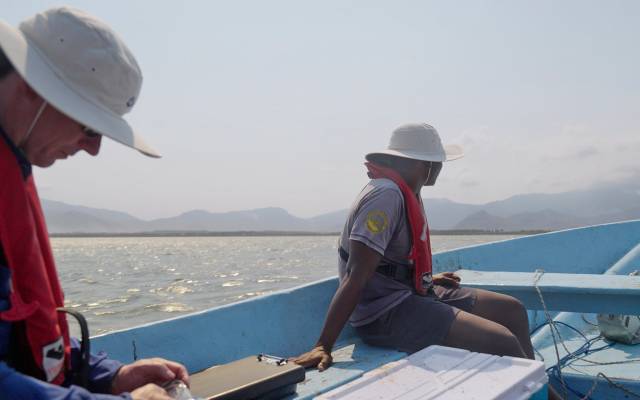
x=419 y=142
x=81 y=67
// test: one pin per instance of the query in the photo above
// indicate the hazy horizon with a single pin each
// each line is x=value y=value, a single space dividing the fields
x=274 y=104
x=427 y=198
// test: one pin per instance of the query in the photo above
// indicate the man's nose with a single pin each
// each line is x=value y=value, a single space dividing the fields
x=91 y=144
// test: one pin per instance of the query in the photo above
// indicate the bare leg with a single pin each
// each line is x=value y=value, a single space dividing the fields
x=508 y=312
x=481 y=335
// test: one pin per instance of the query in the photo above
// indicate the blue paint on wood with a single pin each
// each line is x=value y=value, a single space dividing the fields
x=613 y=362
x=287 y=323
x=627 y=264
x=562 y=292
x=590 y=250
x=351 y=361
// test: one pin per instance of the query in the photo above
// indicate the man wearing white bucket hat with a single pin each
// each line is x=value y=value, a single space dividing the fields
x=386 y=288
x=66 y=80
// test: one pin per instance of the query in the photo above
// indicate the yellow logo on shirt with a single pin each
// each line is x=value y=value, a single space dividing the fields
x=377 y=221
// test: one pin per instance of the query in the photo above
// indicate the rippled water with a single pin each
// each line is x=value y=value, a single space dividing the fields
x=122 y=282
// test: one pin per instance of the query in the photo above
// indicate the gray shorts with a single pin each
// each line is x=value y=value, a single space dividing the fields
x=419 y=321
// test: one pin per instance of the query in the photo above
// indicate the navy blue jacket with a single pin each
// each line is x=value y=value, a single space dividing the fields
x=14 y=385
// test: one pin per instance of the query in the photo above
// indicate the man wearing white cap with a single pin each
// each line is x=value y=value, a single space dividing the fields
x=386 y=288
x=66 y=80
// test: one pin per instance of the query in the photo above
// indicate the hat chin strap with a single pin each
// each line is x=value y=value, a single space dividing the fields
x=428 y=174
x=35 y=121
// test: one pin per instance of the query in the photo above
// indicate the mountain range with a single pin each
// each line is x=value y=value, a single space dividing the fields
x=551 y=211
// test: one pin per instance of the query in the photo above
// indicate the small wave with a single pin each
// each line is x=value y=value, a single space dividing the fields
x=133 y=290
x=179 y=289
x=232 y=284
x=118 y=300
x=101 y=313
x=175 y=289
x=267 y=280
x=169 y=307
x=252 y=294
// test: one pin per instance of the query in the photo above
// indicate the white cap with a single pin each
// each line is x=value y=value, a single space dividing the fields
x=79 y=66
x=419 y=142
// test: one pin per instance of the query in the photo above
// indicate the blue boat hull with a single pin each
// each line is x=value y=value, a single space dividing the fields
x=287 y=323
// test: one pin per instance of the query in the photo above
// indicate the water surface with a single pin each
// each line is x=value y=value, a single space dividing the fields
x=121 y=282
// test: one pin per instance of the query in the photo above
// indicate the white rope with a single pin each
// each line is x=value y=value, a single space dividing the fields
x=552 y=328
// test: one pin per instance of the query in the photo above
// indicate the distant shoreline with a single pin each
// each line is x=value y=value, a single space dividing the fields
x=273 y=233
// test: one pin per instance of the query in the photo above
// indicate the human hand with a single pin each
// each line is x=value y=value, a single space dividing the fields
x=447 y=279
x=152 y=370
x=150 y=391
x=318 y=356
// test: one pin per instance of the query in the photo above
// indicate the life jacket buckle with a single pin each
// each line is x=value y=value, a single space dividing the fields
x=427 y=280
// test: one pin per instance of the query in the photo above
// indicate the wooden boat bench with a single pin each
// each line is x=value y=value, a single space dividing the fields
x=583 y=293
x=351 y=359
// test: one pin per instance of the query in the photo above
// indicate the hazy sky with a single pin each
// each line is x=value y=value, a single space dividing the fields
x=274 y=103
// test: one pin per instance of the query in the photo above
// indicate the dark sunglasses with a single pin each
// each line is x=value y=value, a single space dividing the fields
x=90 y=133
x=433 y=165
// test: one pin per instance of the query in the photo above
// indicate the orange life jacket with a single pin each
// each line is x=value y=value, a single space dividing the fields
x=421 y=243
x=35 y=289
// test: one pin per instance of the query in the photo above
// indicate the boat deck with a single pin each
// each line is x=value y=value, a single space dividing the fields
x=597 y=358
x=616 y=361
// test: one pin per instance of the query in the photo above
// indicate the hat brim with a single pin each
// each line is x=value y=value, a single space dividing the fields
x=35 y=69
x=452 y=152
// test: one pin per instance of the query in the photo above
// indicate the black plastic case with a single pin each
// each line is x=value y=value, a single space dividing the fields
x=257 y=377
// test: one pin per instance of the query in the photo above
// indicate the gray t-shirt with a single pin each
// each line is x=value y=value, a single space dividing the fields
x=378 y=220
